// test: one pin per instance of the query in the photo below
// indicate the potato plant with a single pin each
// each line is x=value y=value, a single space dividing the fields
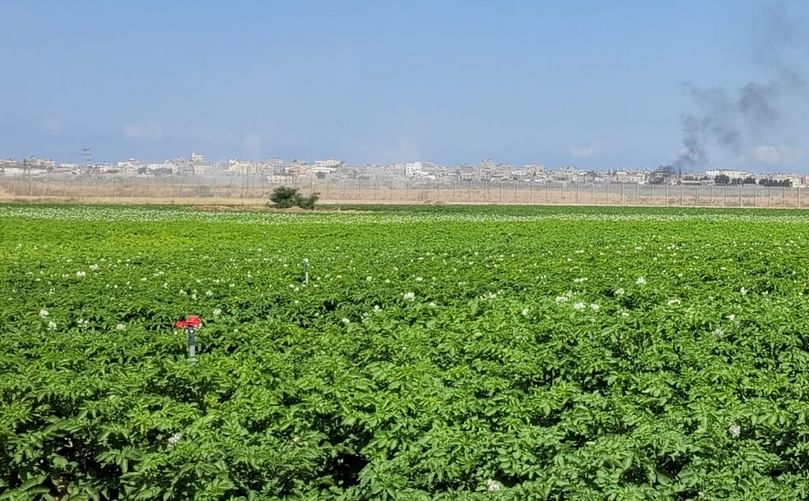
x=452 y=353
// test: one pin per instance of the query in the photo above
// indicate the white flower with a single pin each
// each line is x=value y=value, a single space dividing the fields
x=579 y=280
x=93 y=267
x=369 y=278
x=209 y=293
x=377 y=309
x=43 y=313
x=732 y=317
x=174 y=439
x=619 y=291
x=80 y=274
x=674 y=301
x=51 y=325
x=217 y=312
x=579 y=306
x=409 y=296
x=524 y=312
x=419 y=279
x=595 y=307
x=718 y=332
x=493 y=485
x=743 y=291
x=640 y=281
x=345 y=321
x=561 y=299
x=120 y=327
x=735 y=430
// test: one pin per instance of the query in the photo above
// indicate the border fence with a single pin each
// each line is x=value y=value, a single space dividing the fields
x=250 y=190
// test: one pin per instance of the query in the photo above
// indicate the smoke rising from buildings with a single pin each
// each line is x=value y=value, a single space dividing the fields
x=734 y=120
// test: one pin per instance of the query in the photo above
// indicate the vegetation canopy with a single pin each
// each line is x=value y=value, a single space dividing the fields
x=284 y=197
x=448 y=353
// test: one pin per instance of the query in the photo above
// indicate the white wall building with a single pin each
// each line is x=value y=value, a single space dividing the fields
x=732 y=174
x=331 y=163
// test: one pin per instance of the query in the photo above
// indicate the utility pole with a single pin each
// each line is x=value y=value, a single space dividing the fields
x=87 y=155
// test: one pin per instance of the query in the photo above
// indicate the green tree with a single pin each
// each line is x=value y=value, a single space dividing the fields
x=285 y=197
x=721 y=179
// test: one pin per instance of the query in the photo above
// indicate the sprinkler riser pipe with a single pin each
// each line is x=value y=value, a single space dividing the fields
x=192 y=342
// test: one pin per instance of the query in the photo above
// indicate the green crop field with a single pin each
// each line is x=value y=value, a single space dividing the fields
x=435 y=353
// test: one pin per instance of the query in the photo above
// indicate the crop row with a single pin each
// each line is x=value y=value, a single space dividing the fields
x=519 y=355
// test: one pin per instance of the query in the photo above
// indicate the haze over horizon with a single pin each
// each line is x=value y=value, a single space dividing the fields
x=590 y=83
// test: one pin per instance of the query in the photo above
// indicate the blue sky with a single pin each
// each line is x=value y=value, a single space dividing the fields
x=597 y=84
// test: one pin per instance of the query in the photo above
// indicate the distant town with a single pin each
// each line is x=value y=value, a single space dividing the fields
x=279 y=171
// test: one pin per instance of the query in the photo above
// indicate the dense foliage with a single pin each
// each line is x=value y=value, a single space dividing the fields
x=284 y=197
x=452 y=353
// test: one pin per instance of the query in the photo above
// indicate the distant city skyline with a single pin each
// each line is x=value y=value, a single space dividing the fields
x=277 y=169
x=589 y=83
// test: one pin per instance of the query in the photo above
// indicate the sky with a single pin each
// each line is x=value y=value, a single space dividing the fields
x=594 y=83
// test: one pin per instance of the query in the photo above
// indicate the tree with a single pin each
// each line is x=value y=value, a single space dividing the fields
x=721 y=179
x=285 y=197
x=786 y=183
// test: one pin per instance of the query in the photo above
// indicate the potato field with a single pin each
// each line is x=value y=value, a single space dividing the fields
x=413 y=353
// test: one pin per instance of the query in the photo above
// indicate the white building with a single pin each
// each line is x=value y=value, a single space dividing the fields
x=732 y=174
x=243 y=168
x=629 y=176
x=331 y=163
x=12 y=171
x=162 y=168
x=414 y=169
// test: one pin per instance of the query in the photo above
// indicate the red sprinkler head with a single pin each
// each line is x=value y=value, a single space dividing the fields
x=190 y=322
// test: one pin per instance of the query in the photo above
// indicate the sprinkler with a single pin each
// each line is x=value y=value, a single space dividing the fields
x=190 y=324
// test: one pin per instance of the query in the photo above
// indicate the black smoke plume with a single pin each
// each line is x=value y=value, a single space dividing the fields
x=731 y=120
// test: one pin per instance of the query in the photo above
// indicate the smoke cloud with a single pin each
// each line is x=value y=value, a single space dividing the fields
x=734 y=120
